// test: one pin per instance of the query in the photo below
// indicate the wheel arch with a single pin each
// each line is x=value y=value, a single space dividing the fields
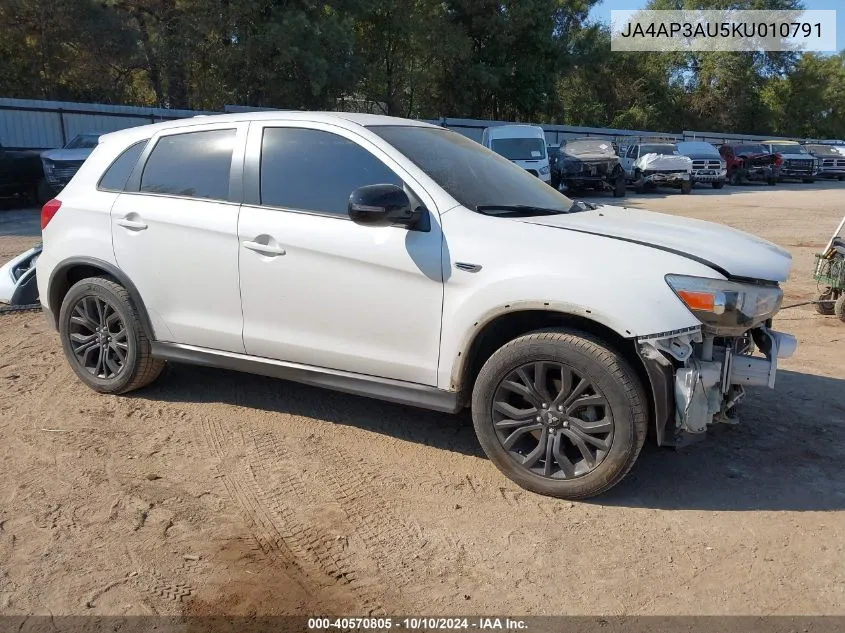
x=75 y=269
x=506 y=326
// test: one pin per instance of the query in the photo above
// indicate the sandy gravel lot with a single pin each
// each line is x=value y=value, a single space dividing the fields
x=221 y=493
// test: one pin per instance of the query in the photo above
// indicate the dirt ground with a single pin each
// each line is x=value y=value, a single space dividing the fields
x=221 y=493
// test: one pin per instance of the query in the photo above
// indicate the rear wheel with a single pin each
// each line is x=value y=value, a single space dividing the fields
x=560 y=413
x=103 y=339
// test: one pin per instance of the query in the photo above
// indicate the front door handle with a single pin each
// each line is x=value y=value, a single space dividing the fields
x=264 y=249
x=135 y=225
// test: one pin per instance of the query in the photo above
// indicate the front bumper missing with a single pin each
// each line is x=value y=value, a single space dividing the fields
x=708 y=376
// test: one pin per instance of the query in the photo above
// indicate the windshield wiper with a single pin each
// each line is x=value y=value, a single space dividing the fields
x=516 y=210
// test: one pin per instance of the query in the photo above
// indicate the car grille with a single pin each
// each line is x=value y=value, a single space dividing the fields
x=794 y=163
x=62 y=170
x=706 y=164
x=834 y=162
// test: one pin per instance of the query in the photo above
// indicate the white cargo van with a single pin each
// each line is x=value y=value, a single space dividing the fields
x=524 y=145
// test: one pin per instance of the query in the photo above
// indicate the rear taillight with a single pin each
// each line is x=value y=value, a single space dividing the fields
x=48 y=211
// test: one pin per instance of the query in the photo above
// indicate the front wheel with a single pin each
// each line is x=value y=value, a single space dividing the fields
x=102 y=337
x=718 y=184
x=809 y=181
x=772 y=182
x=686 y=187
x=735 y=177
x=560 y=413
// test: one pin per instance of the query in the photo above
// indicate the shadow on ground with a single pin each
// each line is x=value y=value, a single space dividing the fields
x=787 y=453
x=16 y=222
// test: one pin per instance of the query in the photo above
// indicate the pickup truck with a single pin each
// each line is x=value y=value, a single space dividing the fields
x=831 y=159
x=750 y=162
x=20 y=172
x=798 y=163
x=707 y=165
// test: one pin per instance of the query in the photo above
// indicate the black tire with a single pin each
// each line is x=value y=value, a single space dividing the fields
x=826 y=309
x=772 y=182
x=639 y=186
x=121 y=336
x=839 y=307
x=611 y=382
x=555 y=182
x=718 y=184
x=735 y=178
x=840 y=178
x=808 y=181
x=686 y=187
x=619 y=187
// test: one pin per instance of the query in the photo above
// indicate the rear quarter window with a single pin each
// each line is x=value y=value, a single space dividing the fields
x=117 y=175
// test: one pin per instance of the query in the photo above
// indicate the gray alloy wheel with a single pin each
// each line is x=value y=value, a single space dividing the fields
x=103 y=339
x=560 y=413
x=97 y=336
x=552 y=420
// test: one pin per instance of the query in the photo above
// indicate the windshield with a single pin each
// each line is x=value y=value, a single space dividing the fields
x=589 y=146
x=785 y=148
x=823 y=150
x=519 y=148
x=469 y=172
x=703 y=149
x=658 y=149
x=83 y=141
x=750 y=149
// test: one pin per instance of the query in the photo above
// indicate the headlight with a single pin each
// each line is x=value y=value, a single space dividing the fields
x=726 y=305
x=544 y=170
x=724 y=164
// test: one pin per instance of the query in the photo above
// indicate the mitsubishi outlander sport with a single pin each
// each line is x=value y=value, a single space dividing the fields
x=399 y=260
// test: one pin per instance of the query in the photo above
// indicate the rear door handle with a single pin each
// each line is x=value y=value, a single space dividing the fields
x=135 y=225
x=264 y=249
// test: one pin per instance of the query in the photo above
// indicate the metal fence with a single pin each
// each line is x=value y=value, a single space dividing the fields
x=33 y=124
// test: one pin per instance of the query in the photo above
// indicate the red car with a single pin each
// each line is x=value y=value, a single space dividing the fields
x=750 y=162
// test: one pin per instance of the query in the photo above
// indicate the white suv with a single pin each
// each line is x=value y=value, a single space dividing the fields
x=399 y=260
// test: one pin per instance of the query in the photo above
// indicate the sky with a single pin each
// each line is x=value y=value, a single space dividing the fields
x=602 y=12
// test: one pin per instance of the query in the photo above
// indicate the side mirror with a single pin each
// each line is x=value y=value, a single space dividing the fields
x=382 y=205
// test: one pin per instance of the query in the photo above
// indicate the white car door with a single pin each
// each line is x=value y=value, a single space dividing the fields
x=174 y=231
x=629 y=159
x=319 y=289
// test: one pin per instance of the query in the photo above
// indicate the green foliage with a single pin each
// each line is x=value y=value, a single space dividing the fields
x=525 y=60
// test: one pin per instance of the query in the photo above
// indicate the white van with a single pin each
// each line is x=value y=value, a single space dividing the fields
x=524 y=145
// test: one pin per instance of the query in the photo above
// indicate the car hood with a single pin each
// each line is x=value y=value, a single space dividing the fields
x=67 y=154
x=796 y=156
x=729 y=251
x=590 y=156
x=702 y=156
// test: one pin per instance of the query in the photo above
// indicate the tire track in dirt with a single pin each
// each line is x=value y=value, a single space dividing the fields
x=273 y=501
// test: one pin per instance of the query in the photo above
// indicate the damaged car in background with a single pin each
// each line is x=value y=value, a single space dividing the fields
x=588 y=163
x=648 y=165
x=796 y=162
x=750 y=161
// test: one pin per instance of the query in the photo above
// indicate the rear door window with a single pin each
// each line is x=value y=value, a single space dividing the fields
x=191 y=164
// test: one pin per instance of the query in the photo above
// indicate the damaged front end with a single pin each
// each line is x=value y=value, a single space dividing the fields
x=699 y=375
